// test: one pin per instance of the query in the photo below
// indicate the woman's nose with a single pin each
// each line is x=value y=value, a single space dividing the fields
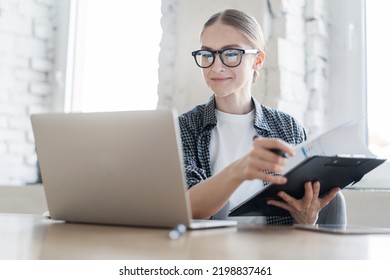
x=218 y=66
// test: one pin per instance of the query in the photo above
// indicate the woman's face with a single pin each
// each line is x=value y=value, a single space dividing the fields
x=223 y=80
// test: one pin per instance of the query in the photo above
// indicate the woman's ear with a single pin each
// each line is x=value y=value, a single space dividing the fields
x=259 y=61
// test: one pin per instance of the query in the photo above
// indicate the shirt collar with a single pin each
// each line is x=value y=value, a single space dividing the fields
x=209 y=118
x=260 y=120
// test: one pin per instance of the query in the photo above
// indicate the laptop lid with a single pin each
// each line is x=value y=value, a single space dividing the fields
x=122 y=168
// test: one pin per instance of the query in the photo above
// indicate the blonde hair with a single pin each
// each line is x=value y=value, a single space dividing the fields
x=245 y=24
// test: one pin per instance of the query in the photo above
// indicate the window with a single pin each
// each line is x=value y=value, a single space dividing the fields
x=115 y=63
x=378 y=87
x=354 y=68
x=359 y=51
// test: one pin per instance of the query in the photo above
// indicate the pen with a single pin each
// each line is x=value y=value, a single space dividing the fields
x=177 y=231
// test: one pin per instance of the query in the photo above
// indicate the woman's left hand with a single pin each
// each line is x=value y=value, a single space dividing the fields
x=306 y=209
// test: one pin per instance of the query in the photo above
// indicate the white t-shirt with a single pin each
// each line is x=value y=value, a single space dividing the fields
x=231 y=139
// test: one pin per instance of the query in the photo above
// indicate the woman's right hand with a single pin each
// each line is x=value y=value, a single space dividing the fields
x=209 y=196
x=261 y=159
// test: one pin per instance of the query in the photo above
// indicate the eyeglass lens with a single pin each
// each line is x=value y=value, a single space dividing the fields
x=229 y=57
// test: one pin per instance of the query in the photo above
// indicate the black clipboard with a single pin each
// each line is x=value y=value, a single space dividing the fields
x=330 y=171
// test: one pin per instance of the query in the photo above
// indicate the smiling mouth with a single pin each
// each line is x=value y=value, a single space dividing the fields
x=220 y=79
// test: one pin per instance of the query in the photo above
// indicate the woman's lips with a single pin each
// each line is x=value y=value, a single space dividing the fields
x=220 y=79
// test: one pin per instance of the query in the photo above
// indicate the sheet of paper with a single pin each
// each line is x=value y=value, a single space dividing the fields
x=343 y=140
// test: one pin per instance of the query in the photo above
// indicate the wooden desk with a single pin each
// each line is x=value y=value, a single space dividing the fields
x=33 y=237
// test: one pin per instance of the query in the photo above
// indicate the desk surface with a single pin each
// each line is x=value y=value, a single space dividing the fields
x=33 y=237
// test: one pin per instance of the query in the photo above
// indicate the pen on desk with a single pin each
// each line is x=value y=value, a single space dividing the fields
x=177 y=231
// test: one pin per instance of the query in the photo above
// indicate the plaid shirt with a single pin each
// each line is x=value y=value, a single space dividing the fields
x=196 y=126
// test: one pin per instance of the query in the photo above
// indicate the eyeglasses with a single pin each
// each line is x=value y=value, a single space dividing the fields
x=230 y=57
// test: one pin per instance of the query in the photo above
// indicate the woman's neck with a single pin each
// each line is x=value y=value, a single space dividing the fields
x=238 y=104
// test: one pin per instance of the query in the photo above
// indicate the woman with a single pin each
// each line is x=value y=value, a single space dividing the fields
x=224 y=163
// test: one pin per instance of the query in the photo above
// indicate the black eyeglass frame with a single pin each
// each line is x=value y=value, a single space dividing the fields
x=241 y=51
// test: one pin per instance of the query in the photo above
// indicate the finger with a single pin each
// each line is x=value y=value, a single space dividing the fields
x=273 y=179
x=308 y=191
x=329 y=196
x=308 y=197
x=263 y=164
x=256 y=170
x=274 y=143
x=280 y=204
x=287 y=198
x=316 y=189
x=266 y=155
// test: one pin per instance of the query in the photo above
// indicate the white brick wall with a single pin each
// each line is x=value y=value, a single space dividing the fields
x=166 y=85
x=27 y=30
x=317 y=64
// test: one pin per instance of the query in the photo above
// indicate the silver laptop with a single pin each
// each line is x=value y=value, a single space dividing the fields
x=118 y=168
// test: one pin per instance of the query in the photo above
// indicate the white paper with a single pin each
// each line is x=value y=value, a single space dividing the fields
x=345 y=140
